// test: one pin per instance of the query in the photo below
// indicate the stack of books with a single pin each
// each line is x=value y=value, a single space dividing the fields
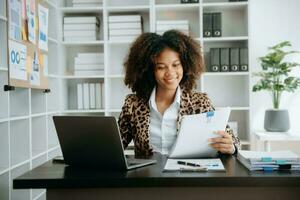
x=89 y=64
x=124 y=27
x=87 y=3
x=269 y=161
x=90 y=96
x=165 y=25
x=81 y=28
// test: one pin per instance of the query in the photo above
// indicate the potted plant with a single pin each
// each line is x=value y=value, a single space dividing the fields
x=275 y=78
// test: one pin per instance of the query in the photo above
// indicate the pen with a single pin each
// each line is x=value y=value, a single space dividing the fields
x=188 y=163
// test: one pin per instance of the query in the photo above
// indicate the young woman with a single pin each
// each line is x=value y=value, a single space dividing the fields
x=162 y=72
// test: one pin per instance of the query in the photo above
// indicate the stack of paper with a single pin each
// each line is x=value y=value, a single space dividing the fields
x=165 y=25
x=88 y=64
x=124 y=27
x=87 y=3
x=81 y=28
x=269 y=161
x=90 y=95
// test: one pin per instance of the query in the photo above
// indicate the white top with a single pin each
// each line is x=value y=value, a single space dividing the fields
x=163 y=128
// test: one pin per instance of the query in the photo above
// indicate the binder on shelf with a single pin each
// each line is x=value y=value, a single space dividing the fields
x=234 y=59
x=244 y=59
x=79 y=96
x=224 y=59
x=98 y=95
x=214 y=59
x=216 y=24
x=92 y=96
x=86 y=96
x=207 y=25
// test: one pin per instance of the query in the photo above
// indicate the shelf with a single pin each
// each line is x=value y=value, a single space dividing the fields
x=19 y=118
x=19 y=108
x=3 y=69
x=225 y=6
x=245 y=142
x=4 y=185
x=177 y=7
x=220 y=39
x=78 y=43
x=53 y=76
x=19 y=141
x=226 y=74
x=51 y=4
x=2 y=18
x=53 y=40
x=84 y=111
x=116 y=76
x=114 y=110
x=38 y=136
x=39 y=159
x=81 y=9
x=38 y=101
x=127 y=8
x=41 y=195
x=234 y=108
x=20 y=194
x=119 y=41
x=81 y=77
x=4 y=147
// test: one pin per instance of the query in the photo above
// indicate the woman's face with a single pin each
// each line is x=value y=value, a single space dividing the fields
x=168 y=70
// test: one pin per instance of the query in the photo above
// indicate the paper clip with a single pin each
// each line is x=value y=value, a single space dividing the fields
x=209 y=115
x=266 y=159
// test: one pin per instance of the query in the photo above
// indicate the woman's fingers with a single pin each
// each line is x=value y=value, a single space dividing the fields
x=223 y=144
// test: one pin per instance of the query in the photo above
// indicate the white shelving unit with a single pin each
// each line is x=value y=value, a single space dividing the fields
x=27 y=133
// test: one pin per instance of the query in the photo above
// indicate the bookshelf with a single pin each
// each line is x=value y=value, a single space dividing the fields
x=27 y=133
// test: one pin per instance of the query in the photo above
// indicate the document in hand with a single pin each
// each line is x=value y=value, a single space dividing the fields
x=194 y=132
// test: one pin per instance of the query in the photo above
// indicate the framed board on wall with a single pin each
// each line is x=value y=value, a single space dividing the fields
x=27 y=43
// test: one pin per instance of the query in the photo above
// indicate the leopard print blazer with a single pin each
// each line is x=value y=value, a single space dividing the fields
x=134 y=119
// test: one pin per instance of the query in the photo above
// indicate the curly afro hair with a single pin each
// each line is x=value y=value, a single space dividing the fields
x=140 y=62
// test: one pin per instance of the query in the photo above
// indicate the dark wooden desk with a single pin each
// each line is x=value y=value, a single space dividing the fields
x=65 y=182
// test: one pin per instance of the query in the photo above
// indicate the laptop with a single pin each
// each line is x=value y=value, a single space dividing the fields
x=94 y=141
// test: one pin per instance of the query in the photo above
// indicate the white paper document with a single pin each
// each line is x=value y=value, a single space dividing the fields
x=196 y=130
x=214 y=164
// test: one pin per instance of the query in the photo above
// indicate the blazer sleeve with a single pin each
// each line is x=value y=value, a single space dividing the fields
x=125 y=121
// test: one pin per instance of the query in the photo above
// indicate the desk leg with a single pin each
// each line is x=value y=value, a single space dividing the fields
x=267 y=146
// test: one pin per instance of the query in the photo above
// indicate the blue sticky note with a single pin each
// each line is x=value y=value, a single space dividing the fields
x=266 y=159
x=280 y=162
x=210 y=114
x=267 y=169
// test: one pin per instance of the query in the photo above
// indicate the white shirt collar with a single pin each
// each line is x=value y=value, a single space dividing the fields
x=177 y=98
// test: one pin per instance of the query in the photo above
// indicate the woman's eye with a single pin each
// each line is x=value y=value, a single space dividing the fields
x=176 y=65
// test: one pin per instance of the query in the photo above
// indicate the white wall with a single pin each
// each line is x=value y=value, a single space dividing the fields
x=270 y=22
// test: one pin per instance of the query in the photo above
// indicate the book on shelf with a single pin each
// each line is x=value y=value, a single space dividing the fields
x=80 y=33
x=98 y=94
x=91 y=55
x=86 y=96
x=79 y=96
x=162 y=32
x=124 y=18
x=92 y=96
x=269 y=161
x=125 y=32
x=79 y=27
x=80 y=20
x=86 y=60
x=125 y=25
x=89 y=66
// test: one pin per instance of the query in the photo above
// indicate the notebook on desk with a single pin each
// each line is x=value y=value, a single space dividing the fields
x=94 y=141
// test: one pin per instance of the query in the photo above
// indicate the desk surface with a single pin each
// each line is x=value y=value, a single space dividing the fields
x=53 y=175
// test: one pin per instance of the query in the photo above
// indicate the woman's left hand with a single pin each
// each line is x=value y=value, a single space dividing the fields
x=224 y=144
